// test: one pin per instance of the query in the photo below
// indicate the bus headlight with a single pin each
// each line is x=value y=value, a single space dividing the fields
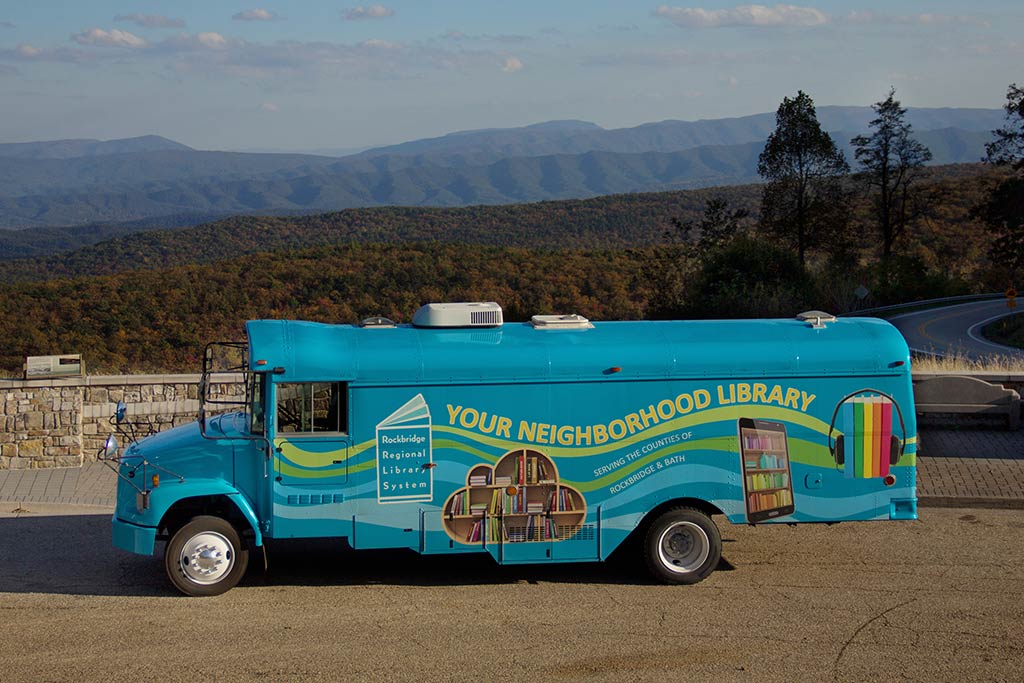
x=110 y=447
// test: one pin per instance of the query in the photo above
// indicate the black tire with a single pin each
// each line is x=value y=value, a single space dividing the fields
x=682 y=546
x=207 y=556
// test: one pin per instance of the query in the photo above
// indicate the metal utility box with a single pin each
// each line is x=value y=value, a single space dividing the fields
x=44 y=367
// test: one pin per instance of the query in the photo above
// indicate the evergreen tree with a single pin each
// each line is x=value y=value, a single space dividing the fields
x=891 y=161
x=1008 y=147
x=1003 y=212
x=718 y=225
x=803 y=201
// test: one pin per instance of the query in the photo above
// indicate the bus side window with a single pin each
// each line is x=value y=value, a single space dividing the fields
x=312 y=407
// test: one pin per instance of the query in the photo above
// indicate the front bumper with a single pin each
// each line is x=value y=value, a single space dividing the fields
x=134 y=538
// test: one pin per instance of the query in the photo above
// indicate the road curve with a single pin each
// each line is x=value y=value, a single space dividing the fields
x=956 y=330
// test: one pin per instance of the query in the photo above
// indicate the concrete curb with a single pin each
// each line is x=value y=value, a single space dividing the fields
x=19 y=509
x=971 y=502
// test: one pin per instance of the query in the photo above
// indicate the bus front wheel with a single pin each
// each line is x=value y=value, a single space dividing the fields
x=682 y=546
x=206 y=557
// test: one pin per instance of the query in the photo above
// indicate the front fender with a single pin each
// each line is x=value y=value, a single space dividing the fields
x=169 y=493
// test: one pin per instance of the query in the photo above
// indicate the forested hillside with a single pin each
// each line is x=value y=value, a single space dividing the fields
x=160 y=319
x=610 y=221
x=150 y=301
x=614 y=221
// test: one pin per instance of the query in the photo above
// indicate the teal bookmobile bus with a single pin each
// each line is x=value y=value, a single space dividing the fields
x=553 y=440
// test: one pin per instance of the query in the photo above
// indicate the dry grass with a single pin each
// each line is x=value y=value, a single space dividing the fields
x=958 y=363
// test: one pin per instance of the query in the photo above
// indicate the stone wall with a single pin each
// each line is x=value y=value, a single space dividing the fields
x=65 y=422
x=42 y=427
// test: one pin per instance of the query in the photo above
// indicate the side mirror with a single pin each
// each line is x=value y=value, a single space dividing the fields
x=120 y=411
x=110 y=447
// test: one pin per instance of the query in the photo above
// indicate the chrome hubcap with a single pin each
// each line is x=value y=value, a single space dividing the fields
x=206 y=558
x=683 y=547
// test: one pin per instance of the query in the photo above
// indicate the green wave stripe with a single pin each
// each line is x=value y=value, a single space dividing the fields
x=721 y=414
x=706 y=416
x=313 y=460
x=292 y=471
x=624 y=471
x=806 y=453
x=801 y=451
x=458 y=446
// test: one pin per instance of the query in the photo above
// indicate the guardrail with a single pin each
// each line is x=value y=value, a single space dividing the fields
x=964 y=298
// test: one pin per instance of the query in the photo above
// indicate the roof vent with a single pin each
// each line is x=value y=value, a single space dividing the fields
x=817 y=319
x=475 y=314
x=377 y=321
x=573 y=321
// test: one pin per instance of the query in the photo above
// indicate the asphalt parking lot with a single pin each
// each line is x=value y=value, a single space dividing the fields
x=939 y=599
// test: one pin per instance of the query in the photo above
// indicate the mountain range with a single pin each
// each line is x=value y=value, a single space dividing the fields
x=116 y=186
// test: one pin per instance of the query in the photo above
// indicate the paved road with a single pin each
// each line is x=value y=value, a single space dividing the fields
x=941 y=599
x=955 y=328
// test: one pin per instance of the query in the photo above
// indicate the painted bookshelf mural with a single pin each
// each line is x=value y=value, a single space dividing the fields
x=518 y=500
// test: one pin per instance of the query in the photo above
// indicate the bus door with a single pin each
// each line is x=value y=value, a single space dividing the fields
x=311 y=444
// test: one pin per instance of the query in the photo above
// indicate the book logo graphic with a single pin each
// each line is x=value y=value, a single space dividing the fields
x=405 y=472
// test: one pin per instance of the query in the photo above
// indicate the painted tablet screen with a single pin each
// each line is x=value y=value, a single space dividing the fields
x=767 y=481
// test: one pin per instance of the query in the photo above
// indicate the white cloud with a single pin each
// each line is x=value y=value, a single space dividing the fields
x=211 y=40
x=28 y=51
x=212 y=54
x=256 y=15
x=868 y=17
x=198 y=42
x=151 y=20
x=269 y=107
x=378 y=44
x=671 y=58
x=512 y=65
x=743 y=15
x=486 y=37
x=115 y=37
x=371 y=12
x=947 y=19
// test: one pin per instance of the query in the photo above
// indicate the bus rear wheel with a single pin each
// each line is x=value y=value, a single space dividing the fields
x=206 y=557
x=682 y=546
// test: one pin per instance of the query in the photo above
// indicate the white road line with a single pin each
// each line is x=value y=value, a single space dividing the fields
x=981 y=340
x=971 y=331
x=940 y=308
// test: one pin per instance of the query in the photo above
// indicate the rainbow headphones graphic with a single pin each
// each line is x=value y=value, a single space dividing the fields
x=867 y=447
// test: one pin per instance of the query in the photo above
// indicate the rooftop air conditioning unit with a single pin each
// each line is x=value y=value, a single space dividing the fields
x=475 y=314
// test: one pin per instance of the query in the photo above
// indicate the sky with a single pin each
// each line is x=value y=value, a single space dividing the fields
x=318 y=74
